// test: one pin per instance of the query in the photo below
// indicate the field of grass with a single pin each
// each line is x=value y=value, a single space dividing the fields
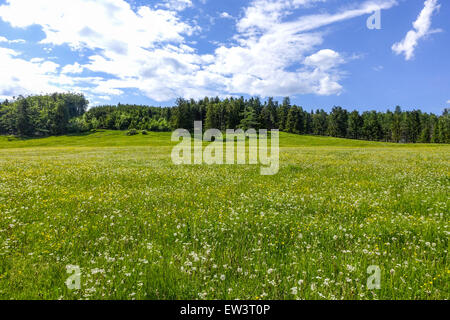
x=140 y=227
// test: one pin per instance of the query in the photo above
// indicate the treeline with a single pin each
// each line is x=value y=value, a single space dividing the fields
x=63 y=113
x=124 y=117
x=42 y=115
x=391 y=126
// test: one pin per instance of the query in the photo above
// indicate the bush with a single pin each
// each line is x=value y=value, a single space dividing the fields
x=144 y=132
x=132 y=132
x=76 y=125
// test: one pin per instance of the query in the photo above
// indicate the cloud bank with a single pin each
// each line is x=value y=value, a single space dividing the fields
x=151 y=50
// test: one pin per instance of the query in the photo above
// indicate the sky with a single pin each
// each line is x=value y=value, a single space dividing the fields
x=363 y=55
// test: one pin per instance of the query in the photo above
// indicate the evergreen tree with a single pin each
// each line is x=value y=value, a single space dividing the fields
x=396 y=126
x=386 y=120
x=308 y=122
x=265 y=119
x=283 y=113
x=444 y=127
x=291 y=121
x=355 y=124
x=337 y=122
x=249 y=119
x=320 y=123
x=24 y=123
x=371 y=129
x=425 y=134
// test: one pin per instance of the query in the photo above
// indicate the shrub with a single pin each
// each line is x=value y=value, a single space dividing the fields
x=144 y=132
x=132 y=132
x=76 y=125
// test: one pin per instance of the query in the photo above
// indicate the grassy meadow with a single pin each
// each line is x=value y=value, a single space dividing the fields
x=140 y=227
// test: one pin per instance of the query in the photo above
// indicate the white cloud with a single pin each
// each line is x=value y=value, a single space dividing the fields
x=73 y=68
x=264 y=14
x=146 y=49
x=3 y=39
x=276 y=58
x=324 y=59
x=448 y=101
x=177 y=5
x=421 y=28
x=108 y=24
x=20 y=76
x=226 y=15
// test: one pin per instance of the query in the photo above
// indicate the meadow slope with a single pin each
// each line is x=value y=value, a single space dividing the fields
x=140 y=227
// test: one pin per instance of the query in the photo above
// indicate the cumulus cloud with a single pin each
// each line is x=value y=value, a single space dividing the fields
x=73 y=68
x=421 y=28
x=324 y=59
x=147 y=49
x=273 y=57
x=111 y=25
x=20 y=76
x=143 y=49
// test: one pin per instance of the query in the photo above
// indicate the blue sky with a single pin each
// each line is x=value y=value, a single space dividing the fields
x=319 y=52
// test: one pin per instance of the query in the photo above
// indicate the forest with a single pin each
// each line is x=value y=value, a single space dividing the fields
x=58 y=114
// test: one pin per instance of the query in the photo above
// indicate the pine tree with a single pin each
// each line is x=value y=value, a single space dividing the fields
x=283 y=113
x=291 y=121
x=396 y=126
x=444 y=127
x=249 y=119
x=355 y=124
x=23 y=120
x=320 y=123
x=337 y=122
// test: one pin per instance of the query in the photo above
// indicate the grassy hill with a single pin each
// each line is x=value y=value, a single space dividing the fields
x=141 y=227
x=107 y=138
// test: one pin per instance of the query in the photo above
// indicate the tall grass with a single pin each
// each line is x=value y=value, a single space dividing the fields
x=140 y=227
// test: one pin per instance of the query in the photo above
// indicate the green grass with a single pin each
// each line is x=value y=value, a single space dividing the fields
x=142 y=228
x=107 y=138
x=102 y=138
